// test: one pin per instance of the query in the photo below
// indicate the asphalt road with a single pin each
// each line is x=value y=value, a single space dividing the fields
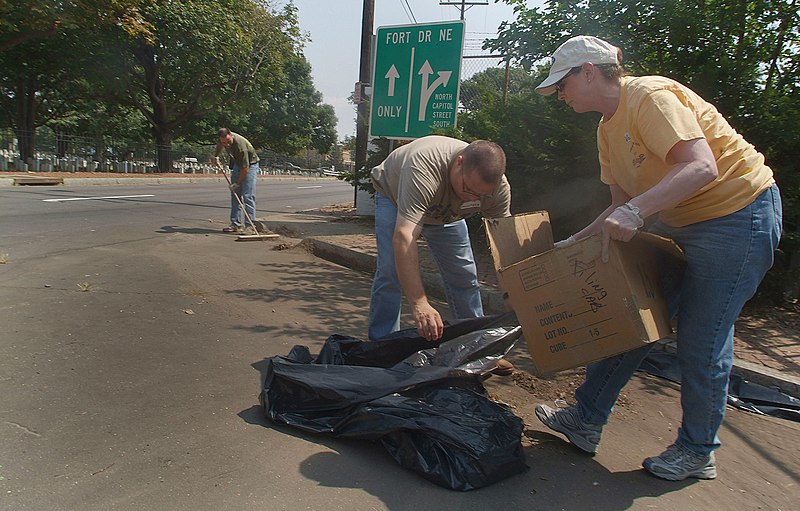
x=133 y=333
x=132 y=337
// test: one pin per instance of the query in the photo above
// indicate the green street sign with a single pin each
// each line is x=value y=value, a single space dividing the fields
x=415 y=79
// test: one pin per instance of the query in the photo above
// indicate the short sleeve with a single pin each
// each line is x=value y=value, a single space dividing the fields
x=414 y=195
x=664 y=119
x=605 y=160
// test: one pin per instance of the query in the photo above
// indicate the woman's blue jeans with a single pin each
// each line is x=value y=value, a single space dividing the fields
x=726 y=258
x=450 y=246
x=246 y=193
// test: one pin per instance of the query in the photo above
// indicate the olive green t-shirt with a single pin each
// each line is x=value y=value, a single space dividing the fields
x=416 y=177
x=242 y=152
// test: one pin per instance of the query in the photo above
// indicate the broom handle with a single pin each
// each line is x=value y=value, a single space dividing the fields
x=253 y=225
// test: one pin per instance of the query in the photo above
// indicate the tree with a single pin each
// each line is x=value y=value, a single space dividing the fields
x=41 y=58
x=202 y=57
x=34 y=76
x=22 y=21
x=288 y=114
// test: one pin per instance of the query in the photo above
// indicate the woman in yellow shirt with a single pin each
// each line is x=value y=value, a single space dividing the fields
x=668 y=154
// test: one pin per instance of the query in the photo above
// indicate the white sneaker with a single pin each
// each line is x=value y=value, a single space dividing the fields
x=678 y=463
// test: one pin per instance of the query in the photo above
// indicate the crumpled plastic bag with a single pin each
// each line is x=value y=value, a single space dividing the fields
x=427 y=407
x=742 y=394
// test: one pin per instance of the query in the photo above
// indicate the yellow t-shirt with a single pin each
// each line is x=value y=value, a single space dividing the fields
x=654 y=114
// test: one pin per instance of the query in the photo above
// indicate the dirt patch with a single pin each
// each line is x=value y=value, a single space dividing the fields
x=287 y=231
x=345 y=213
x=561 y=386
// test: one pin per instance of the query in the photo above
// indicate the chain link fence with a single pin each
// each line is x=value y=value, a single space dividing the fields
x=61 y=152
x=493 y=71
x=56 y=151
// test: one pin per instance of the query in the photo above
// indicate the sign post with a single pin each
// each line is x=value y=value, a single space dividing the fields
x=416 y=79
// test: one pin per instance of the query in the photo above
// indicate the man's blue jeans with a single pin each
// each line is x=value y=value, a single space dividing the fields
x=246 y=193
x=452 y=251
x=726 y=258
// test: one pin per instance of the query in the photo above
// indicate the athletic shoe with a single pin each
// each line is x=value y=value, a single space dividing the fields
x=568 y=422
x=233 y=229
x=677 y=463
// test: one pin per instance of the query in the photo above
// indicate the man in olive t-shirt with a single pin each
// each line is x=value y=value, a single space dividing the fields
x=244 y=170
x=428 y=187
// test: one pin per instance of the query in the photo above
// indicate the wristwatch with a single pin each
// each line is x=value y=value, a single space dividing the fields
x=633 y=208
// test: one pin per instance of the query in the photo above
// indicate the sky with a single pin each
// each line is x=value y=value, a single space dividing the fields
x=334 y=27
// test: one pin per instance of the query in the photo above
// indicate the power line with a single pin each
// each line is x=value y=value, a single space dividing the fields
x=409 y=12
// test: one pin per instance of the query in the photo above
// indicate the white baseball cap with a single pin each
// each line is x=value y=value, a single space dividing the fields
x=575 y=52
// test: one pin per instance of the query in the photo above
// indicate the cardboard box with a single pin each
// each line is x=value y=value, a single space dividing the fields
x=573 y=307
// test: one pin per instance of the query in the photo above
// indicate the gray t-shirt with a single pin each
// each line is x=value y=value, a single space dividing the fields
x=416 y=178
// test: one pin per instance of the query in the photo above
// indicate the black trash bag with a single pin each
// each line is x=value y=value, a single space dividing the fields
x=386 y=351
x=453 y=436
x=430 y=410
x=742 y=394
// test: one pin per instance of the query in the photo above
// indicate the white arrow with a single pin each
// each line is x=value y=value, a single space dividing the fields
x=392 y=75
x=425 y=94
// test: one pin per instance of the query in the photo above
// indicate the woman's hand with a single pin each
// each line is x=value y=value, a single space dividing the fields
x=622 y=225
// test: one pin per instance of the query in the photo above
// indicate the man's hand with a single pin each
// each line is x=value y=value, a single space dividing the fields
x=622 y=225
x=429 y=322
x=234 y=187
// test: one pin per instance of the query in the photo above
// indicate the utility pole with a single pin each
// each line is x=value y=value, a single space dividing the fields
x=364 y=77
x=462 y=4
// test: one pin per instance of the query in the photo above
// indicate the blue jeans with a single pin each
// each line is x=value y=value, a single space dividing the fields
x=726 y=258
x=246 y=193
x=450 y=246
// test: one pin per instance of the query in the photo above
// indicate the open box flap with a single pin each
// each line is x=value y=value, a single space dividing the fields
x=514 y=238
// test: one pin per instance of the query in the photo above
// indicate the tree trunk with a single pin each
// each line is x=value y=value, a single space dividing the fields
x=163 y=150
x=61 y=143
x=100 y=154
x=26 y=117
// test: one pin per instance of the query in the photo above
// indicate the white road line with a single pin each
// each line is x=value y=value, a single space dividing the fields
x=98 y=198
x=306 y=187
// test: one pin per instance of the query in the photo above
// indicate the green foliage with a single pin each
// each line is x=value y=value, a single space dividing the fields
x=290 y=115
x=168 y=71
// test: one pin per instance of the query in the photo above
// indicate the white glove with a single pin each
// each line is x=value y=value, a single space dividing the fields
x=234 y=186
x=566 y=242
x=622 y=224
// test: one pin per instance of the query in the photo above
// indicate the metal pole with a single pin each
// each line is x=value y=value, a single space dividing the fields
x=364 y=77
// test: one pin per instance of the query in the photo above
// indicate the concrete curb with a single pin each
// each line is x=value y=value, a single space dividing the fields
x=493 y=303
